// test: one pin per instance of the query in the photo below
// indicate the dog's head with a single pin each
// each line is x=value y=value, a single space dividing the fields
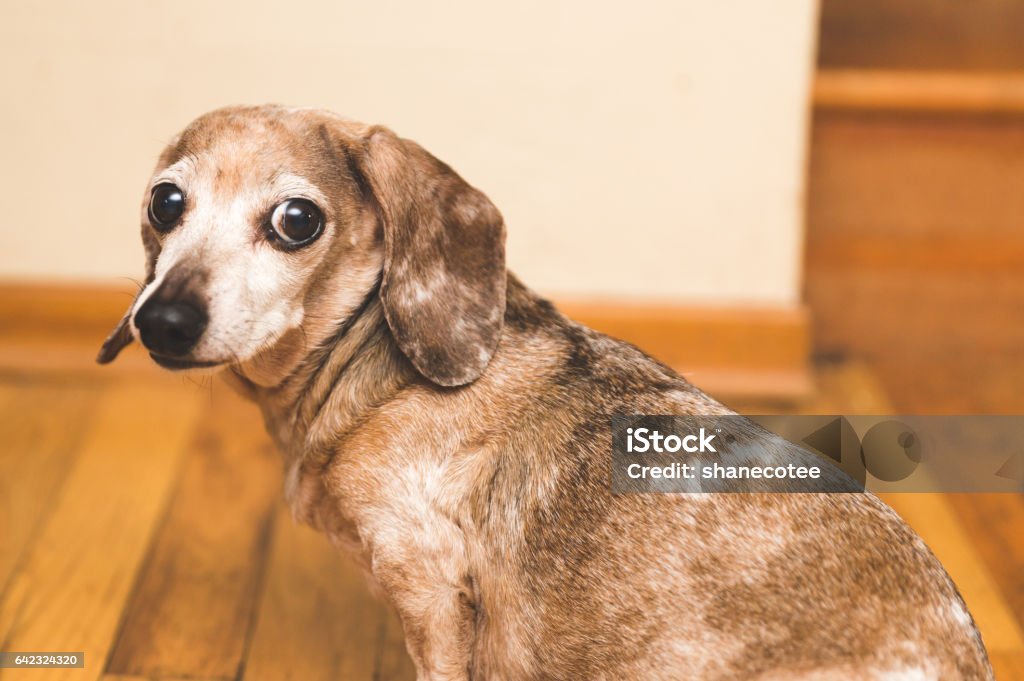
x=259 y=222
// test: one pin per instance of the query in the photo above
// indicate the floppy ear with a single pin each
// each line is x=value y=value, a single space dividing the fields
x=121 y=336
x=443 y=285
x=118 y=339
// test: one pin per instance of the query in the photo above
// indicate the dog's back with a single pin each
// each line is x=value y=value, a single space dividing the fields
x=710 y=586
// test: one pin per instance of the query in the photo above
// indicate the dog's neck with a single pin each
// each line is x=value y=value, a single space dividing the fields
x=308 y=401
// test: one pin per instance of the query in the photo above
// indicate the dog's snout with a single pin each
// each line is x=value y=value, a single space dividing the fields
x=170 y=328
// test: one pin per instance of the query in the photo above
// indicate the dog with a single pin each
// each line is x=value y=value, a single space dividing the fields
x=450 y=429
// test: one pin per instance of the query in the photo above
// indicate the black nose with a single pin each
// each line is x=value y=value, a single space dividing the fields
x=170 y=328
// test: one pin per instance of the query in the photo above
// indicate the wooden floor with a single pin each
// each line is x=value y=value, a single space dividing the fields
x=140 y=522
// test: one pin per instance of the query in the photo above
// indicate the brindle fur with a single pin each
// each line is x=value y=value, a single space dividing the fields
x=451 y=429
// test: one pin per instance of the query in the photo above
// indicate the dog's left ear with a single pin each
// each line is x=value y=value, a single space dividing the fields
x=443 y=285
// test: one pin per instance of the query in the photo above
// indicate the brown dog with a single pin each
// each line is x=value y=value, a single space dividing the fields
x=452 y=430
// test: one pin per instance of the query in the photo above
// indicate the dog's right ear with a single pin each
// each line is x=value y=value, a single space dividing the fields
x=122 y=336
x=118 y=339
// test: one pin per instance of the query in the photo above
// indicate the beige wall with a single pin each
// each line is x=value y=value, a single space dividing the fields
x=637 y=149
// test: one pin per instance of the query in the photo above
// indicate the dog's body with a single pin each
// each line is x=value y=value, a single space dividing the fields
x=452 y=430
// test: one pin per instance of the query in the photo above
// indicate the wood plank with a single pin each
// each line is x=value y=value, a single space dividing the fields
x=971 y=382
x=850 y=388
x=317 y=620
x=40 y=427
x=127 y=677
x=912 y=91
x=1008 y=666
x=920 y=252
x=922 y=176
x=922 y=34
x=995 y=523
x=193 y=606
x=394 y=663
x=914 y=245
x=69 y=591
x=915 y=315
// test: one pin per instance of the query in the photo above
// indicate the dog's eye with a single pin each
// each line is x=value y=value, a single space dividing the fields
x=297 y=222
x=166 y=206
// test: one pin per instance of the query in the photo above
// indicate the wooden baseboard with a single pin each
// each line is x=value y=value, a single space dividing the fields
x=729 y=351
x=920 y=92
x=741 y=352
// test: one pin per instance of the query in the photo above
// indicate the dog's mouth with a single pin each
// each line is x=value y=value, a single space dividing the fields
x=175 y=364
